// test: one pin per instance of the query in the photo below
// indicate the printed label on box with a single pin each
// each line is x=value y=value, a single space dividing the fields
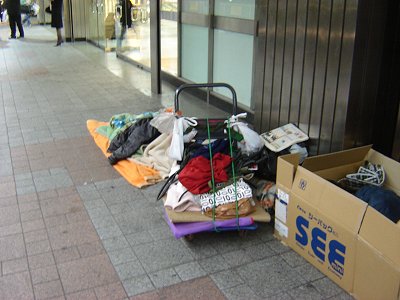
x=283 y=196
x=281 y=228
x=281 y=205
x=321 y=241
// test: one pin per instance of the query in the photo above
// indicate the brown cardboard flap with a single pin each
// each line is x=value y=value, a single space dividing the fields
x=301 y=208
x=339 y=172
x=260 y=215
x=287 y=165
x=308 y=186
x=391 y=167
x=342 y=207
x=382 y=234
x=375 y=277
x=331 y=160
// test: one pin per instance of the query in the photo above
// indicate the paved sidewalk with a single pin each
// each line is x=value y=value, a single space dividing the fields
x=72 y=228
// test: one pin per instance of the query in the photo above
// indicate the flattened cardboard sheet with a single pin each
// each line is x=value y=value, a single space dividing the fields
x=260 y=215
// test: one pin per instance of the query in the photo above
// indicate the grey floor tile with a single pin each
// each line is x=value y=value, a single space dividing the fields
x=342 y=296
x=278 y=246
x=293 y=259
x=115 y=243
x=163 y=254
x=160 y=233
x=200 y=247
x=138 y=285
x=119 y=208
x=309 y=272
x=26 y=190
x=259 y=251
x=241 y=292
x=214 y=264
x=99 y=212
x=227 y=279
x=270 y=276
x=24 y=182
x=237 y=258
x=139 y=238
x=327 y=287
x=93 y=204
x=190 y=271
x=109 y=232
x=164 y=278
x=129 y=269
x=122 y=256
x=139 y=221
x=103 y=221
x=305 y=292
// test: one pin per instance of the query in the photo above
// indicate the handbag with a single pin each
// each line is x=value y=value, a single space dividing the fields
x=48 y=8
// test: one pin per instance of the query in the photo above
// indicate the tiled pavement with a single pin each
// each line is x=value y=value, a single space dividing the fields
x=72 y=228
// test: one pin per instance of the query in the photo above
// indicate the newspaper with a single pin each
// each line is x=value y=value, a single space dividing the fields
x=283 y=137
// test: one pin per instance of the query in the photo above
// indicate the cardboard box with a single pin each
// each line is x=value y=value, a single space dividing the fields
x=377 y=270
x=335 y=231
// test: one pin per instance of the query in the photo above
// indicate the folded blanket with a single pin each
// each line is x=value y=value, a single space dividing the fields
x=155 y=155
x=180 y=199
x=136 y=174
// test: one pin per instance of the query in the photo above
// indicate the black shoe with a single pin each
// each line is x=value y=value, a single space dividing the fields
x=12 y=37
x=59 y=43
x=21 y=36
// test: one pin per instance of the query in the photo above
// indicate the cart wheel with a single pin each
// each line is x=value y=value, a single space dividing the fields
x=189 y=237
x=242 y=233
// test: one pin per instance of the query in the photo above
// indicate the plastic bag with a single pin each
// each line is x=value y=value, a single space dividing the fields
x=177 y=144
x=35 y=9
x=164 y=122
x=251 y=143
x=302 y=151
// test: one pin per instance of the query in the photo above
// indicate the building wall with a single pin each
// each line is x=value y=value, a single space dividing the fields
x=304 y=77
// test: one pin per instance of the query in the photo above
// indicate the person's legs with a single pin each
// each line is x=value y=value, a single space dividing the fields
x=122 y=36
x=26 y=20
x=19 y=24
x=12 y=22
x=59 y=37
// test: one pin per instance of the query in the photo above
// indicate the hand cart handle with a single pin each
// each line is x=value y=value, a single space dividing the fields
x=205 y=85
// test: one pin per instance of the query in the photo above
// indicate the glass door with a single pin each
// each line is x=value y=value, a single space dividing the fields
x=100 y=17
x=106 y=24
x=217 y=45
x=169 y=36
x=234 y=29
x=100 y=24
x=195 y=40
x=92 y=21
x=133 y=31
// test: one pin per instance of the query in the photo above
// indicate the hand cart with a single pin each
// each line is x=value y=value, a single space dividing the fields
x=185 y=224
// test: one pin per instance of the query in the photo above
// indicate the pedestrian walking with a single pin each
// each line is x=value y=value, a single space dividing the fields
x=14 y=17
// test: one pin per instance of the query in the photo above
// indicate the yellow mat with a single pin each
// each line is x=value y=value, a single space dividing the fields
x=136 y=174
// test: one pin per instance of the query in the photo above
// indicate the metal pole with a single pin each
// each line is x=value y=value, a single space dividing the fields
x=155 y=46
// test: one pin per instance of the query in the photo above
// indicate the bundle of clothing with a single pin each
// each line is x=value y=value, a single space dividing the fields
x=133 y=137
x=367 y=184
x=219 y=168
x=211 y=165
